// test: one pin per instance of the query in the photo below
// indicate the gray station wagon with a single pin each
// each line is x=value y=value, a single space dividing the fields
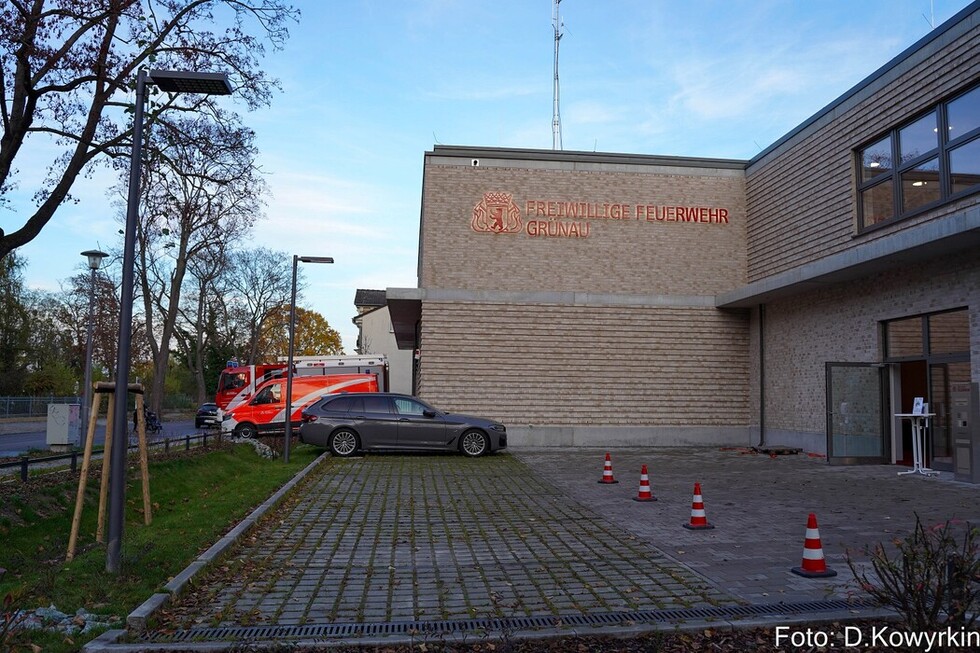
x=351 y=422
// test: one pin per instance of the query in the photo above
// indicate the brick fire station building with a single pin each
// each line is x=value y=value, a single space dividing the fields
x=802 y=298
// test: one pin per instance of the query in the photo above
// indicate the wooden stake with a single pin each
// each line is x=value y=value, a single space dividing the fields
x=106 y=458
x=144 y=462
x=83 y=479
x=100 y=389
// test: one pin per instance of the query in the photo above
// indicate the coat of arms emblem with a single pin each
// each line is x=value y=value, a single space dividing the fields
x=496 y=213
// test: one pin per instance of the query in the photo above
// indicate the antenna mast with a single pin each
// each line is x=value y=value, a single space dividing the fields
x=556 y=117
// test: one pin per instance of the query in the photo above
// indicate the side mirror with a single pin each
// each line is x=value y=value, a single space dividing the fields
x=428 y=413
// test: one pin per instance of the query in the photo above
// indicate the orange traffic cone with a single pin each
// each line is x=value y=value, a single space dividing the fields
x=813 y=565
x=698 y=520
x=644 y=494
x=607 y=475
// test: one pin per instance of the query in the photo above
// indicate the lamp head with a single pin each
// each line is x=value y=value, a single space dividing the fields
x=179 y=81
x=94 y=258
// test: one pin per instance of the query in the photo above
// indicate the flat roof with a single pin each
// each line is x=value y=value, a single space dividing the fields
x=610 y=158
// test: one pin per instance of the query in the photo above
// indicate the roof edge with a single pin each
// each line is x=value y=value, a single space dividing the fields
x=896 y=61
x=615 y=158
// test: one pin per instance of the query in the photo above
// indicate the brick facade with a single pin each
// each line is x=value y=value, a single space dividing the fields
x=842 y=323
x=802 y=210
x=624 y=256
x=616 y=330
x=546 y=364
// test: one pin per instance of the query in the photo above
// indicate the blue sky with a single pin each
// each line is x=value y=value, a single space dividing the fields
x=371 y=85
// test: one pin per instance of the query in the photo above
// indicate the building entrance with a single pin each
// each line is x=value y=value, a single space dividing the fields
x=930 y=354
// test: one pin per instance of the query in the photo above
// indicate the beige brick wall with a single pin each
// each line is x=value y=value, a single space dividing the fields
x=628 y=256
x=540 y=364
x=801 y=200
x=643 y=351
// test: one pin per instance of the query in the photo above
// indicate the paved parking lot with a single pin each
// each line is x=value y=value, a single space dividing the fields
x=419 y=539
x=759 y=506
x=389 y=538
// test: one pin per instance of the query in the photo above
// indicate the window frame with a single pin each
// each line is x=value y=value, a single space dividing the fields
x=896 y=173
x=925 y=334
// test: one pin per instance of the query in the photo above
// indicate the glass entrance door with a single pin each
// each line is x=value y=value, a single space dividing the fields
x=855 y=415
x=940 y=445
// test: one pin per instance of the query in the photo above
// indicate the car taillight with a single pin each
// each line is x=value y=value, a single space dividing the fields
x=308 y=418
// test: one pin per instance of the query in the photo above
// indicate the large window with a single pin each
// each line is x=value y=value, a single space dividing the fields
x=922 y=163
x=925 y=336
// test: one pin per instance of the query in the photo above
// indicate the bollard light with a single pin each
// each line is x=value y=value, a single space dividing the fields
x=292 y=340
x=94 y=257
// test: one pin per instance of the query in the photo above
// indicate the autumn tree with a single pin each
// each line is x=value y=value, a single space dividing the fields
x=69 y=67
x=314 y=336
x=197 y=330
x=50 y=352
x=52 y=367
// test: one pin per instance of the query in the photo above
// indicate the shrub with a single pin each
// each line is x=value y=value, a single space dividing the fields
x=932 y=579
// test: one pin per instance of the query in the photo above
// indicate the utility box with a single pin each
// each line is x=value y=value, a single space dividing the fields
x=64 y=425
x=965 y=429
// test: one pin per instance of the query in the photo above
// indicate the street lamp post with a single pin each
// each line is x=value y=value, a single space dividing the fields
x=94 y=257
x=292 y=342
x=172 y=82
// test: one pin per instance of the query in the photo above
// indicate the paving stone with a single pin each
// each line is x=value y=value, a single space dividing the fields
x=399 y=537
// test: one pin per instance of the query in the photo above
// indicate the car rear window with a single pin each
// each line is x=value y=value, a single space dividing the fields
x=338 y=405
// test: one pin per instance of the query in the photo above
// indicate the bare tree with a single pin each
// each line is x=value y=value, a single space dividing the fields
x=261 y=280
x=15 y=326
x=72 y=312
x=68 y=67
x=203 y=191
x=201 y=313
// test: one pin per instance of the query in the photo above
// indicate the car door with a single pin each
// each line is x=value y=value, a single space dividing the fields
x=269 y=408
x=419 y=427
x=375 y=421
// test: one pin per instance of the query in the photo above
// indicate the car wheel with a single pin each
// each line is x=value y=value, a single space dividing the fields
x=245 y=430
x=344 y=443
x=474 y=443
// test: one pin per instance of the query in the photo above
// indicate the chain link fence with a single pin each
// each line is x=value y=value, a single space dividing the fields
x=22 y=407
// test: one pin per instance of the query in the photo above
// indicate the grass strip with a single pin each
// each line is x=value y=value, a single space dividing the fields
x=197 y=496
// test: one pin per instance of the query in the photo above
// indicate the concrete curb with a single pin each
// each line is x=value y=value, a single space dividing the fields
x=139 y=617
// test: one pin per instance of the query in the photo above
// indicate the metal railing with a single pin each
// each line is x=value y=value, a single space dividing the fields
x=25 y=463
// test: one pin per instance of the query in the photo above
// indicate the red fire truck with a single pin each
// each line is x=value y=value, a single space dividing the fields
x=237 y=383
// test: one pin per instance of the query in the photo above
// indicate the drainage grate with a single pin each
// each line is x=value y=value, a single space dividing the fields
x=508 y=624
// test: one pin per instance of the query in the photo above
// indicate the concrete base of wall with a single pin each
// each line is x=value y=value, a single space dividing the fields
x=807 y=441
x=629 y=436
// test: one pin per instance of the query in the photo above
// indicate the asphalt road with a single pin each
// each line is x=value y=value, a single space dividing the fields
x=17 y=438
